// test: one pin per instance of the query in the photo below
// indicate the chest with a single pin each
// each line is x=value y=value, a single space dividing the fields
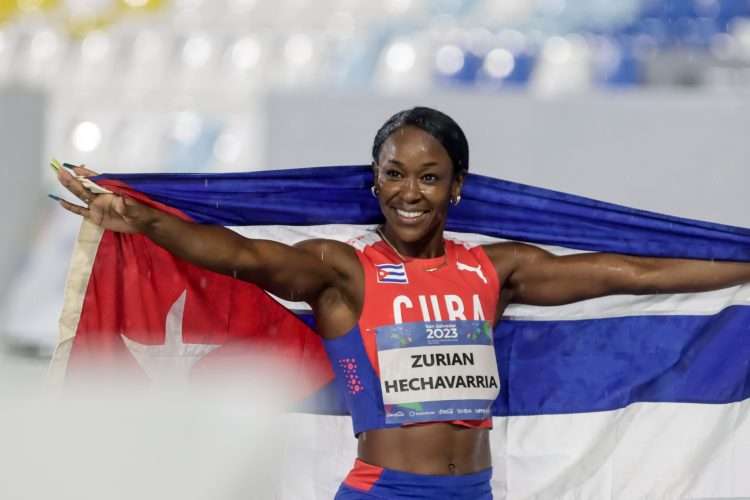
x=411 y=291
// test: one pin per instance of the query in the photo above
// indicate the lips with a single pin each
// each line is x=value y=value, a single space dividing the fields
x=410 y=216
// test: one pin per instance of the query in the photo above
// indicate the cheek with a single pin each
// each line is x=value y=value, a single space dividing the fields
x=387 y=191
x=438 y=194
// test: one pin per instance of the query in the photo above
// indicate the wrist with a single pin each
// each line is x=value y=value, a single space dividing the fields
x=147 y=221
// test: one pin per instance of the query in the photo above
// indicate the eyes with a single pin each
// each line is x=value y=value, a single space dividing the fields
x=395 y=174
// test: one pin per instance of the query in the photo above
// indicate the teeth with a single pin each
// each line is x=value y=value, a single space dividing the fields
x=408 y=215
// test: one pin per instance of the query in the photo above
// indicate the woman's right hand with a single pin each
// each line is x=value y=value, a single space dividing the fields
x=109 y=211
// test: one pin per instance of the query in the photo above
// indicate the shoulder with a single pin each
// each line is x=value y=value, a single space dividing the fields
x=511 y=250
x=508 y=256
x=364 y=240
x=340 y=256
x=339 y=306
x=321 y=247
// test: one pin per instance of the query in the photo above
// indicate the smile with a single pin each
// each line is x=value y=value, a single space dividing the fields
x=410 y=215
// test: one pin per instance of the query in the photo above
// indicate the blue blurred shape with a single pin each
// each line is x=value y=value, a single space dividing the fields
x=628 y=72
x=467 y=75
x=521 y=73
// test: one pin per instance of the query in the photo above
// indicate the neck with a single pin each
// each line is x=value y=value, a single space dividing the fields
x=429 y=247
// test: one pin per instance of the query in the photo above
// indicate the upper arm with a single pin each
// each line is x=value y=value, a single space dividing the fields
x=324 y=273
x=535 y=276
x=301 y=272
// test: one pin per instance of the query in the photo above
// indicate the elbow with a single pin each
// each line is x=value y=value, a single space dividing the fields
x=244 y=260
x=633 y=276
x=644 y=277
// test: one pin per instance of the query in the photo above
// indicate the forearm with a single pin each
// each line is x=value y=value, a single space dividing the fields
x=686 y=275
x=285 y=271
x=212 y=247
x=540 y=278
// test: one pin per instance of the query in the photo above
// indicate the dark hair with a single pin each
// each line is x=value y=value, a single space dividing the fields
x=439 y=125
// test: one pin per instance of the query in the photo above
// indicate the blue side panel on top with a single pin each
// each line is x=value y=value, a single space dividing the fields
x=329 y=399
x=577 y=366
x=338 y=195
x=356 y=381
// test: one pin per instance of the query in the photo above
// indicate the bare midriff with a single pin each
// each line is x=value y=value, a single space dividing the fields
x=435 y=448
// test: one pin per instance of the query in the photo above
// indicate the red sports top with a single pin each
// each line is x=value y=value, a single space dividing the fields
x=460 y=285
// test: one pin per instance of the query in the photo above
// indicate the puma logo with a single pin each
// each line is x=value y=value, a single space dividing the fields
x=478 y=269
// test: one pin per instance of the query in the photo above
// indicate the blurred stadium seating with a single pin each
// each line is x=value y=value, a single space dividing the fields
x=155 y=82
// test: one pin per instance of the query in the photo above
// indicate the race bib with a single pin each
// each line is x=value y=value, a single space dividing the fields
x=439 y=370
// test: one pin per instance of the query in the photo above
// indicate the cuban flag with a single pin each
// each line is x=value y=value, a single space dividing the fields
x=392 y=273
x=619 y=397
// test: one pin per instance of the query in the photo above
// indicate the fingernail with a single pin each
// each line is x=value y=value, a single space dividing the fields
x=69 y=166
x=56 y=198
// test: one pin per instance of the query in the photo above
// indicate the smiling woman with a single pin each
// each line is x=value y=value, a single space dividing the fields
x=415 y=181
x=405 y=314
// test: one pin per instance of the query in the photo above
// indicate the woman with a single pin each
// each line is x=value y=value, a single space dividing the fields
x=405 y=313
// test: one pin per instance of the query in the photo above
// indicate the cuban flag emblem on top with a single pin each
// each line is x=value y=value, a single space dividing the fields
x=392 y=273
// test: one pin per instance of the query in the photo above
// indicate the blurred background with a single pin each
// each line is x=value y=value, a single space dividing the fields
x=640 y=102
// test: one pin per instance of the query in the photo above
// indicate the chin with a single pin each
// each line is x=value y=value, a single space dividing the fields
x=409 y=235
x=414 y=234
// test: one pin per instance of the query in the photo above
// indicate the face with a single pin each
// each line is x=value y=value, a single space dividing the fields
x=414 y=177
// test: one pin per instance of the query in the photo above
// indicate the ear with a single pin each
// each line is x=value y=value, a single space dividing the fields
x=374 y=173
x=457 y=185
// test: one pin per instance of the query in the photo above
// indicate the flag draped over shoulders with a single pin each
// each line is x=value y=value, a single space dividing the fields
x=617 y=397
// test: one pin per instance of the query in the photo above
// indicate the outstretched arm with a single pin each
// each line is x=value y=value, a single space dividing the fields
x=534 y=276
x=292 y=273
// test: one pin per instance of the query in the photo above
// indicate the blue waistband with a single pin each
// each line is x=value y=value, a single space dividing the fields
x=440 y=481
x=366 y=481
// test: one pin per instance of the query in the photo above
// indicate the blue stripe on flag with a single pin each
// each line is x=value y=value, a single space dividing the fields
x=331 y=195
x=551 y=367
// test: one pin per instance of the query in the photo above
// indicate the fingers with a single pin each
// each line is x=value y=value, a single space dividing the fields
x=95 y=213
x=85 y=172
x=80 y=170
x=76 y=209
x=74 y=186
x=119 y=206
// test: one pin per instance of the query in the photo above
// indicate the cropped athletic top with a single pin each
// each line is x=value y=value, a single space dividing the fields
x=428 y=322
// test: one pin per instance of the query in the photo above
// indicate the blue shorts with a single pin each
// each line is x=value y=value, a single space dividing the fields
x=366 y=482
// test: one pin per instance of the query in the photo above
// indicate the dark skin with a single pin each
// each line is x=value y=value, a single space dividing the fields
x=415 y=182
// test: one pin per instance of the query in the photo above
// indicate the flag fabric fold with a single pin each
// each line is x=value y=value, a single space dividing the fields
x=493 y=207
x=596 y=395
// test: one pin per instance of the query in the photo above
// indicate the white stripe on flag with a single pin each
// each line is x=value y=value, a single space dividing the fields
x=706 y=303
x=647 y=450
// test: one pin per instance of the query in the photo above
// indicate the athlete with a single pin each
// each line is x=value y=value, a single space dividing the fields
x=405 y=314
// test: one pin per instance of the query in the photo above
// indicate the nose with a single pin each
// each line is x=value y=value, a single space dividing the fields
x=410 y=191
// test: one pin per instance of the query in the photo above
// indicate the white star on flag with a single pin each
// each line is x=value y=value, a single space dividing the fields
x=172 y=361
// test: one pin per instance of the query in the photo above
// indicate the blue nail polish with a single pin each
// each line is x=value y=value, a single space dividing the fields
x=69 y=166
x=56 y=198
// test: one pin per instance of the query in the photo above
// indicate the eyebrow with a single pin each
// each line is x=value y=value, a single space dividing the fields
x=424 y=165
